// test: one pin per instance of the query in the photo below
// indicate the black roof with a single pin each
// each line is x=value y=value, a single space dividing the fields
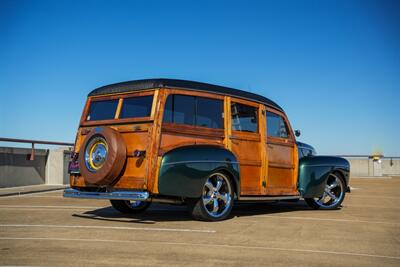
x=139 y=85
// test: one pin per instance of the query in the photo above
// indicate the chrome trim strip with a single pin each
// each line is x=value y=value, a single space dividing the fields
x=122 y=195
x=325 y=165
x=200 y=161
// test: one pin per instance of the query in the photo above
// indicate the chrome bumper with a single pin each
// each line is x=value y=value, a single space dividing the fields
x=123 y=195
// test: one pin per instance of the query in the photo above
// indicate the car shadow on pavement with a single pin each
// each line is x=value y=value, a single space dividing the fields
x=164 y=212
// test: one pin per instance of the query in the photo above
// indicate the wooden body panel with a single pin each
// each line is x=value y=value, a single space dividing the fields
x=282 y=162
x=267 y=166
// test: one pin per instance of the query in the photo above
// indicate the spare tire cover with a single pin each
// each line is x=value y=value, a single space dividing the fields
x=102 y=156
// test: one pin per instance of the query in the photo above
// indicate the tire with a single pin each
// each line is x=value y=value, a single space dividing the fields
x=216 y=201
x=102 y=156
x=130 y=207
x=335 y=191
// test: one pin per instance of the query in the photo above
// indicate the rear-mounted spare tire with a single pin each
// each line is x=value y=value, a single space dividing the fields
x=102 y=156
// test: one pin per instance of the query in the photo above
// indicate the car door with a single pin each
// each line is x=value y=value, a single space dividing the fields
x=281 y=154
x=245 y=143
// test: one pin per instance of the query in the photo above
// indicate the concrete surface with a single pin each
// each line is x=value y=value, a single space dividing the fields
x=22 y=190
x=17 y=170
x=365 y=166
x=48 y=167
x=46 y=230
x=57 y=166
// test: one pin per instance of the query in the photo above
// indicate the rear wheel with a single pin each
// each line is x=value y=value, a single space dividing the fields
x=127 y=206
x=216 y=201
x=333 y=196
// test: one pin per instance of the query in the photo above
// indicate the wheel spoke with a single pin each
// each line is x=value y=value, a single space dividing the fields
x=207 y=200
x=322 y=199
x=330 y=194
x=333 y=185
x=219 y=184
x=215 y=205
x=224 y=197
x=210 y=186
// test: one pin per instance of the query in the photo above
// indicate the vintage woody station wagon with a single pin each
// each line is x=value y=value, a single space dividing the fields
x=183 y=142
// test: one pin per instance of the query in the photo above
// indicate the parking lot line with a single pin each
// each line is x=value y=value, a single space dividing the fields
x=105 y=227
x=50 y=207
x=343 y=253
x=327 y=219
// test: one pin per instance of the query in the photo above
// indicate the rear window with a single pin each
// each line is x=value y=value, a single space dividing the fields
x=102 y=110
x=136 y=107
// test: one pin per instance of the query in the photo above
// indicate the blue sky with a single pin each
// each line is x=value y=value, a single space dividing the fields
x=334 y=66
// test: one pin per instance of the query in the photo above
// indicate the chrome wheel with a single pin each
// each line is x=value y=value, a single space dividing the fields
x=96 y=153
x=333 y=194
x=217 y=195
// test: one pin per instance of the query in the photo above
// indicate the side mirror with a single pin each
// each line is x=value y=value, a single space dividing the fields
x=297 y=133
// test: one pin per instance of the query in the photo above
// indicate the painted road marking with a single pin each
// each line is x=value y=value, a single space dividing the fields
x=106 y=227
x=326 y=219
x=51 y=207
x=343 y=253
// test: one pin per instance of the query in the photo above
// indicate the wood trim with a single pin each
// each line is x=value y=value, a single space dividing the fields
x=174 y=91
x=192 y=130
x=227 y=123
x=257 y=163
x=154 y=104
x=279 y=143
x=245 y=102
x=281 y=166
x=116 y=122
x=165 y=149
x=122 y=95
x=118 y=108
x=245 y=136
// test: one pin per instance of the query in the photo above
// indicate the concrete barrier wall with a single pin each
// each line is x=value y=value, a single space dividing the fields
x=16 y=170
x=367 y=167
x=48 y=167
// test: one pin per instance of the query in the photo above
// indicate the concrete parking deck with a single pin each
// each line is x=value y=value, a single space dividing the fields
x=45 y=229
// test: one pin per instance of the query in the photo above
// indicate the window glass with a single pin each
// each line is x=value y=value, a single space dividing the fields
x=180 y=109
x=209 y=113
x=136 y=107
x=276 y=126
x=102 y=110
x=244 y=118
x=192 y=110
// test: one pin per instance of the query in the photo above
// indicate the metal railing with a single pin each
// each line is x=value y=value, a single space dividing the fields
x=33 y=142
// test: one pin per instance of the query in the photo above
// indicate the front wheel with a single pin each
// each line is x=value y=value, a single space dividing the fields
x=130 y=207
x=216 y=201
x=333 y=195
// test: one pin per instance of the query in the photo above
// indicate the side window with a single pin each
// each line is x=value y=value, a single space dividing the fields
x=180 y=109
x=209 y=113
x=136 y=107
x=276 y=126
x=102 y=110
x=244 y=118
x=192 y=110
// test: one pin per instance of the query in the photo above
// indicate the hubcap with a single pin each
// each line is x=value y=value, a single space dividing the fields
x=96 y=153
x=333 y=192
x=217 y=195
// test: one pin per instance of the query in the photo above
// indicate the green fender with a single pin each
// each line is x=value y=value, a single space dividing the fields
x=314 y=171
x=184 y=170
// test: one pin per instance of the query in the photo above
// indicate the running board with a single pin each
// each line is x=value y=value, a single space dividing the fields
x=270 y=198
